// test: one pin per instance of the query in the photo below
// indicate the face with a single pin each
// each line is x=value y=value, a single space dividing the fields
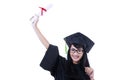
x=76 y=54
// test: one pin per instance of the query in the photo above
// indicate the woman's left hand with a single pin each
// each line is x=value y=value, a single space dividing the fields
x=90 y=72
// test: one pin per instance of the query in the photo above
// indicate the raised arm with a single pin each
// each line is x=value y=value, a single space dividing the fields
x=43 y=40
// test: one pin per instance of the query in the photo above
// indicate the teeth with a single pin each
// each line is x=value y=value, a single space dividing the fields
x=75 y=57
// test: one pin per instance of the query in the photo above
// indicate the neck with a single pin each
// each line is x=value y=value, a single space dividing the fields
x=75 y=62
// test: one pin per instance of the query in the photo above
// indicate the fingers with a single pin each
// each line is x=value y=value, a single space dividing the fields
x=92 y=75
x=34 y=20
x=90 y=72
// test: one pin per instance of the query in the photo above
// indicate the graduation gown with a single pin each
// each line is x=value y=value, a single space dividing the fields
x=60 y=68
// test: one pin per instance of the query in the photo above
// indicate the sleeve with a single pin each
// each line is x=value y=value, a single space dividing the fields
x=50 y=58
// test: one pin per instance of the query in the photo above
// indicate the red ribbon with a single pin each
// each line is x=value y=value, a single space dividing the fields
x=42 y=9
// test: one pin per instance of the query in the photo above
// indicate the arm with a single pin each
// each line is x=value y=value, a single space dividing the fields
x=39 y=34
x=51 y=58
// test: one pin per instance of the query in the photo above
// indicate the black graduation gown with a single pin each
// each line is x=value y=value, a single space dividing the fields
x=57 y=65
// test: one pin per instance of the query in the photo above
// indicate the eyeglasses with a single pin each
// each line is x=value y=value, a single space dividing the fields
x=79 y=51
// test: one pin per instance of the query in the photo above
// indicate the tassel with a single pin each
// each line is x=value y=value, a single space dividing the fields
x=66 y=48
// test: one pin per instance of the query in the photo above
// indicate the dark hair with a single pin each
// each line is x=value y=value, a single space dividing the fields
x=77 y=45
x=83 y=59
x=70 y=68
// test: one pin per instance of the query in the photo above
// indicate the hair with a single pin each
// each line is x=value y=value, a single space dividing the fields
x=83 y=59
x=78 y=45
x=70 y=70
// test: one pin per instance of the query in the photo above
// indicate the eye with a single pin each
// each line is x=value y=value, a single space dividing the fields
x=80 y=50
x=72 y=49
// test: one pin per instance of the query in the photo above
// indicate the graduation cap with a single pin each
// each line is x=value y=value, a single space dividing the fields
x=79 y=38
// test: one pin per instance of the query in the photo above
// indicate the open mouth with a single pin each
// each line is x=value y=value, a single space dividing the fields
x=75 y=57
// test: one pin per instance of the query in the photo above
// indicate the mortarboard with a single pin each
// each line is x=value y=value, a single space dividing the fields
x=79 y=38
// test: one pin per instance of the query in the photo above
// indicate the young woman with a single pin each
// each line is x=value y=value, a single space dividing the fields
x=76 y=67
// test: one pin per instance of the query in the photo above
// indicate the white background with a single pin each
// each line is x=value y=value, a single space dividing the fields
x=21 y=51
